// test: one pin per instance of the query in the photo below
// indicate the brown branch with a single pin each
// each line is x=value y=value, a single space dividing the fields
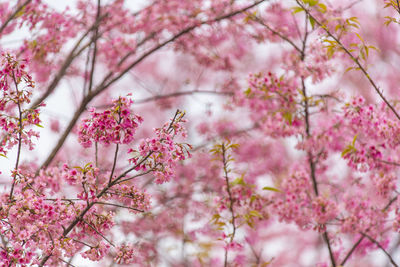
x=363 y=70
x=95 y=38
x=382 y=248
x=12 y=16
x=65 y=134
x=20 y=127
x=389 y=162
x=105 y=83
x=68 y=61
x=308 y=133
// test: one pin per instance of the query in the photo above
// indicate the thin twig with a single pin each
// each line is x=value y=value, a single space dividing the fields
x=382 y=248
x=114 y=163
x=283 y=37
x=66 y=262
x=95 y=38
x=100 y=234
x=389 y=162
x=176 y=94
x=119 y=206
x=135 y=176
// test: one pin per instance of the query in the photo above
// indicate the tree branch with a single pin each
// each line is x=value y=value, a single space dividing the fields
x=105 y=83
x=363 y=70
x=382 y=248
x=12 y=16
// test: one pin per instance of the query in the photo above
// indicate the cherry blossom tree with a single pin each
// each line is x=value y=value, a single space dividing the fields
x=200 y=133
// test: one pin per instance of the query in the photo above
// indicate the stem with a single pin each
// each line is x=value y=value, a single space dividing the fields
x=96 y=148
x=114 y=164
x=231 y=200
x=117 y=205
x=64 y=136
x=19 y=136
x=79 y=218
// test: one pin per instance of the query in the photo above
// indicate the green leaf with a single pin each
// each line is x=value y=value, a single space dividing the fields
x=359 y=37
x=322 y=7
x=238 y=181
x=248 y=91
x=78 y=168
x=297 y=9
x=255 y=213
x=21 y=12
x=354 y=140
x=38 y=125
x=288 y=117
x=271 y=189
x=312 y=22
x=87 y=165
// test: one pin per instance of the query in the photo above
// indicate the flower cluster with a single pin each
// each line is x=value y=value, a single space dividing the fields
x=371 y=127
x=124 y=254
x=273 y=105
x=15 y=92
x=293 y=204
x=116 y=125
x=162 y=152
